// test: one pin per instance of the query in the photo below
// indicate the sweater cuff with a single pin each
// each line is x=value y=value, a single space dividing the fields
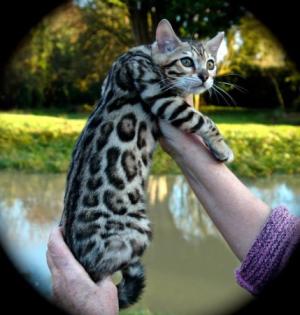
x=270 y=251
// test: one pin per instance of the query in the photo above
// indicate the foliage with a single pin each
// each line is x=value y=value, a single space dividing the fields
x=189 y=18
x=138 y=312
x=252 y=43
x=262 y=68
x=65 y=58
x=264 y=150
x=259 y=151
x=262 y=88
x=202 y=19
x=44 y=144
x=37 y=143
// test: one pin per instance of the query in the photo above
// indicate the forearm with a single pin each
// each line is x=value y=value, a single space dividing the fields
x=236 y=212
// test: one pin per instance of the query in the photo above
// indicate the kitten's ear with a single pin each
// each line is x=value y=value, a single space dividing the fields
x=213 y=44
x=166 y=38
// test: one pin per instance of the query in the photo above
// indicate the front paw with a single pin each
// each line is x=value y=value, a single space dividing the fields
x=222 y=152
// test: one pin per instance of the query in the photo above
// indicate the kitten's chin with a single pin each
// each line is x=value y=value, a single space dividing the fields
x=199 y=89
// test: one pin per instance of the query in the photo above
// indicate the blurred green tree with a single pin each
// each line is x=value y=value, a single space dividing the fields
x=256 y=55
x=65 y=58
x=189 y=18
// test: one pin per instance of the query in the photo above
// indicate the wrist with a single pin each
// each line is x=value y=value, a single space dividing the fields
x=188 y=150
x=193 y=153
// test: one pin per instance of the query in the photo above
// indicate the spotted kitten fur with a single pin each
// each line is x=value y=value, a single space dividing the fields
x=104 y=218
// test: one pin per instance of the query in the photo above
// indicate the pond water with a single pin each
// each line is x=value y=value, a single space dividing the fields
x=190 y=269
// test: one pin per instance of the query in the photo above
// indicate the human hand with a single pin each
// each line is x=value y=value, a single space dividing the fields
x=73 y=289
x=181 y=145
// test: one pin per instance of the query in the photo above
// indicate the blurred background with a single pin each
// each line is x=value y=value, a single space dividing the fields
x=50 y=87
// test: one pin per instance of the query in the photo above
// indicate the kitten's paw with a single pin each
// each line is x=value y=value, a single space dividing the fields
x=222 y=152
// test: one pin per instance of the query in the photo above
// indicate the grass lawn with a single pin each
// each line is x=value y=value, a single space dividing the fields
x=43 y=142
x=138 y=312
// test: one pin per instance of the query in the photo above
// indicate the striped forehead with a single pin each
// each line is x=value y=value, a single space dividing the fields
x=197 y=52
x=188 y=53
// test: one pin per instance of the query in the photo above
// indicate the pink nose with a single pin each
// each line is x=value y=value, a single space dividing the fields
x=203 y=75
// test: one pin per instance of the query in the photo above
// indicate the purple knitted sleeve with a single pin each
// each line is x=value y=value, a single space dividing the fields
x=270 y=251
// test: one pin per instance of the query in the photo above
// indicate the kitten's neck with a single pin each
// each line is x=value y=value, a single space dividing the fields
x=187 y=97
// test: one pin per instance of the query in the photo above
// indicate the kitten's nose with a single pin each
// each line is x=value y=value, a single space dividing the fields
x=203 y=75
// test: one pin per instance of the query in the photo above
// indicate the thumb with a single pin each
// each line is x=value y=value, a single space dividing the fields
x=167 y=129
x=58 y=254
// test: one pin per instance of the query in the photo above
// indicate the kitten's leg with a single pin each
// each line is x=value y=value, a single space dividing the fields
x=176 y=110
x=181 y=115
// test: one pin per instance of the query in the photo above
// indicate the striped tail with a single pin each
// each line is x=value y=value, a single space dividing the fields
x=132 y=285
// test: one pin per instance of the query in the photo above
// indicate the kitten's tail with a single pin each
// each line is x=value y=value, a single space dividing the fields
x=132 y=284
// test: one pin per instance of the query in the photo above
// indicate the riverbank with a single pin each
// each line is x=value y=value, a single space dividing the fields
x=42 y=143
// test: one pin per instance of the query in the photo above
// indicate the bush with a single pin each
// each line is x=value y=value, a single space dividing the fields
x=259 y=150
x=39 y=144
x=44 y=144
x=267 y=87
x=264 y=150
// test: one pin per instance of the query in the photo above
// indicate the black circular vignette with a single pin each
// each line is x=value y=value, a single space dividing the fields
x=16 y=18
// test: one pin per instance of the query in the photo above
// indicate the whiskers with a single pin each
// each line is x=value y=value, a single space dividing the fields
x=221 y=92
x=167 y=84
x=231 y=74
x=218 y=90
x=184 y=83
x=234 y=86
x=192 y=84
x=170 y=86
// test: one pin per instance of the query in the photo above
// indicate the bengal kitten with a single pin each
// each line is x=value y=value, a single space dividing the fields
x=104 y=218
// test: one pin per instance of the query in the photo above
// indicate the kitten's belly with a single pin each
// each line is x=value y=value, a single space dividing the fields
x=111 y=207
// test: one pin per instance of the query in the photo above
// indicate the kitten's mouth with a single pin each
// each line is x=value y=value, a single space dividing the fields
x=200 y=88
x=197 y=89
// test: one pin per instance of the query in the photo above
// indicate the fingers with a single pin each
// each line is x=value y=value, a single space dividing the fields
x=189 y=99
x=108 y=295
x=50 y=262
x=174 y=139
x=166 y=128
x=72 y=288
x=58 y=253
x=106 y=283
x=59 y=257
x=175 y=135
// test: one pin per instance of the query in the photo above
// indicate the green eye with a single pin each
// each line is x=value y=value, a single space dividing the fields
x=187 y=62
x=210 y=64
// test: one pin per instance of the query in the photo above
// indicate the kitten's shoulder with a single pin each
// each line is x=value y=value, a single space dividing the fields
x=141 y=50
x=140 y=54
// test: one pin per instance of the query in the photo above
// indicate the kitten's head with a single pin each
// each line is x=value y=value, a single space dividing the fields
x=189 y=66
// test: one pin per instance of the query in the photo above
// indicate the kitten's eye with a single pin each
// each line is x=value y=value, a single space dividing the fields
x=187 y=62
x=210 y=64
